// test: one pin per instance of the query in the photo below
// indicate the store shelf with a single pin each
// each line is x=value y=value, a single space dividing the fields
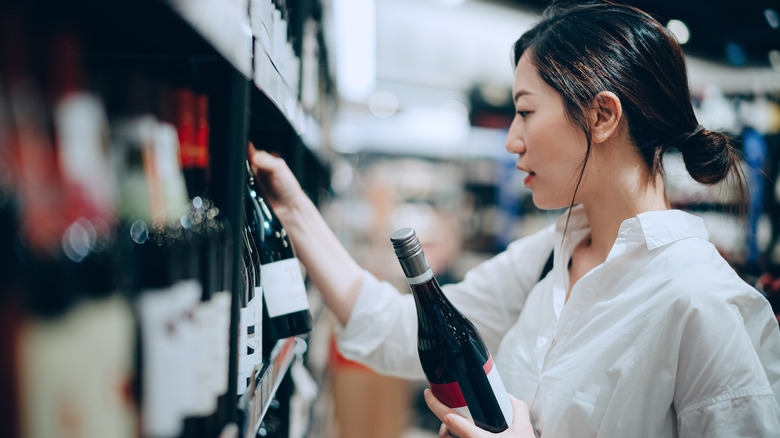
x=225 y=25
x=270 y=82
x=255 y=402
x=160 y=29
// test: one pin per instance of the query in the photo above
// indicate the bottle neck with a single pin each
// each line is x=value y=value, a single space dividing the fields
x=416 y=269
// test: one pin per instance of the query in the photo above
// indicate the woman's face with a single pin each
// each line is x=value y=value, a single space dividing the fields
x=551 y=148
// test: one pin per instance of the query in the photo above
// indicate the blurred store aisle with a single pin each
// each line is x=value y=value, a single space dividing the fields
x=414 y=432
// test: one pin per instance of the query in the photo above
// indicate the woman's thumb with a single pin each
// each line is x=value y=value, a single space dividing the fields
x=521 y=420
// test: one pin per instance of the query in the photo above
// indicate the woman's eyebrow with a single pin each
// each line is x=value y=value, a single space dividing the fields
x=521 y=93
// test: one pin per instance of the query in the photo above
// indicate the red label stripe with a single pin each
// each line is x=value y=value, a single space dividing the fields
x=449 y=394
x=488 y=365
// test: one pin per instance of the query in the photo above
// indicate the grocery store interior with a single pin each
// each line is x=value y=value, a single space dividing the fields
x=124 y=123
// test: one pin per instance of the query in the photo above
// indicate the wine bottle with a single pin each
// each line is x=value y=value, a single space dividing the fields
x=455 y=360
x=74 y=335
x=286 y=305
x=160 y=261
x=202 y=421
x=249 y=333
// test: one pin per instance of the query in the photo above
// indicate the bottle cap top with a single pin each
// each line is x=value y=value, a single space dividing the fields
x=405 y=242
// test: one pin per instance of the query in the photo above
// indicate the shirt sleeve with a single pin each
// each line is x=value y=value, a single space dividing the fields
x=382 y=328
x=722 y=387
x=493 y=294
x=745 y=413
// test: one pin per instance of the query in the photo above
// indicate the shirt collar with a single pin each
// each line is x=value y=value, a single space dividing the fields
x=654 y=228
x=667 y=226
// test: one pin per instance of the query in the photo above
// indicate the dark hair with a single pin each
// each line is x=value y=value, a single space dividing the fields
x=581 y=50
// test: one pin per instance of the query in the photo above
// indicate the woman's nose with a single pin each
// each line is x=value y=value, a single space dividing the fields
x=514 y=144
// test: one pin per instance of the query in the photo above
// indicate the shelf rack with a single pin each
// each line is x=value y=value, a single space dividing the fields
x=251 y=100
x=255 y=402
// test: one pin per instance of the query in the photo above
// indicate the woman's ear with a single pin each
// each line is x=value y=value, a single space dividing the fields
x=606 y=115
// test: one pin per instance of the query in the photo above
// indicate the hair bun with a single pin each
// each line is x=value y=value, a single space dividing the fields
x=708 y=155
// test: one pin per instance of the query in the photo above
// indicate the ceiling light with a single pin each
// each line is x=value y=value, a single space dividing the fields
x=383 y=104
x=679 y=30
x=735 y=54
x=774 y=59
x=772 y=18
x=455 y=110
x=355 y=52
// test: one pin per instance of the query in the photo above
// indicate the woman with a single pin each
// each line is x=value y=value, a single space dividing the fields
x=641 y=328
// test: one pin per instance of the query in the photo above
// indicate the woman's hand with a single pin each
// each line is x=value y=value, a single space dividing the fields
x=330 y=267
x=455 y=425
x=277 y=182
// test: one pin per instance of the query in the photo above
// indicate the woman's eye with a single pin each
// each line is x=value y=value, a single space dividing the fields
x=523 y=113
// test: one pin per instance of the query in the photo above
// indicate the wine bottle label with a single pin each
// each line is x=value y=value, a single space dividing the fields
x=246 y=366
x=161 y=343
x=499 y=390
x=77 y=367
x=243 y=330
x=283 y=287
x=258 y=322
x=420 y=279
x=249 y=313
x=242 y=374
x=222 y=328
x=193 y=397
x=450 y=394
x=204 y=359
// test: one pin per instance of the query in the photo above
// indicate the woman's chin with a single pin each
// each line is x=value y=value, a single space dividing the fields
x=543 y=203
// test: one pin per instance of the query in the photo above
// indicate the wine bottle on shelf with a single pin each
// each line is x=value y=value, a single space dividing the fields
x=81 y=128
x=221 y=300
x=206 y=223
x=250 y=332
x=159 y=258
x=75 y=342
x=146 y=260
x=286 y=305
x=456 y=361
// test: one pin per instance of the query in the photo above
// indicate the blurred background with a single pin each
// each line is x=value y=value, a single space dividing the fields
x=392 y=113
x=424 y=104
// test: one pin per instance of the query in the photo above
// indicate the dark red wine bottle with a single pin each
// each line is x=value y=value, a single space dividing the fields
x=455 y=360
x=285 y=304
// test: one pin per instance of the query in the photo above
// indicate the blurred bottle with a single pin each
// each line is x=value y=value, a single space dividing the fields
x=75 y=341
x=10 y=288
x=285 y=303
x=209 y=231
x=159 y=259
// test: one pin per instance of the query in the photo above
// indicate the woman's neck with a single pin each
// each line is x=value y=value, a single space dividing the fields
x=630 y=196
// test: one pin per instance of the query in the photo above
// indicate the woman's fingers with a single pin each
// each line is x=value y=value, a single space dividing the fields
x=276 y=180
x=452 y=423
x=455 y=425
x=262 y=161
x=522 y=420
x=438 y=408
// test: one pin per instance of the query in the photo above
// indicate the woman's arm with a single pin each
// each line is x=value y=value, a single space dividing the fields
x=330 y=267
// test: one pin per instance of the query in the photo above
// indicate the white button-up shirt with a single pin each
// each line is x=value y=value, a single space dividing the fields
x=663 y=339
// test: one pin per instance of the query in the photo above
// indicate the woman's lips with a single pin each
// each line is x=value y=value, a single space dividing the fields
x=529 y=178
